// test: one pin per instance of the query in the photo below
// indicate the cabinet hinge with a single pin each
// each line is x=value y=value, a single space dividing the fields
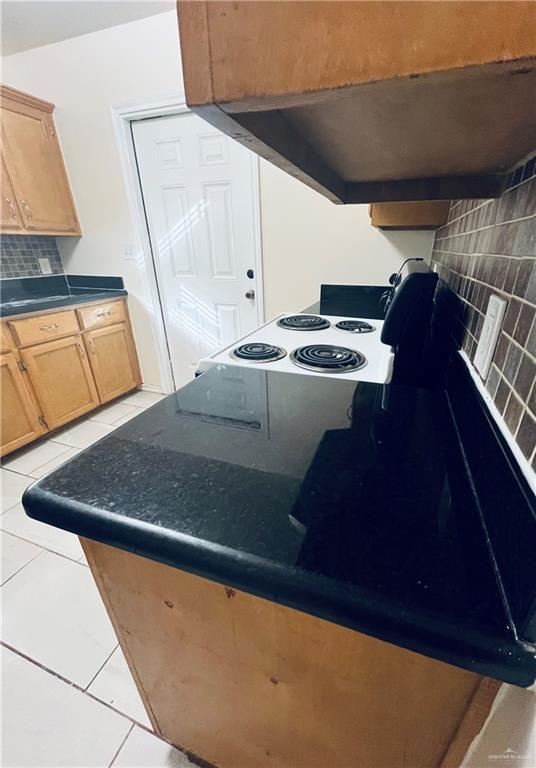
x=42 y=421
x=21 y=366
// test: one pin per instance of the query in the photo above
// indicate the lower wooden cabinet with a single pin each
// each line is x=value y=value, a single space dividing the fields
x=57 y=366
x=61 y=376
x=112 y=360
x=20 y=422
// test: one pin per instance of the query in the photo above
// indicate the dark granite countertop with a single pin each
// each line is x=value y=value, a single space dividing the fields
x=351 y=502
x=24 y=295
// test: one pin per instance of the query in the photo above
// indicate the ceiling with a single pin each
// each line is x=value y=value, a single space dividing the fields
x=33 y=23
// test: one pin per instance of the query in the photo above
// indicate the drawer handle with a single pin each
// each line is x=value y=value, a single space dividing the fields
x=12 y=208
x=81 y=349
x=26 y=205
x=104 y=312
x=48 y=327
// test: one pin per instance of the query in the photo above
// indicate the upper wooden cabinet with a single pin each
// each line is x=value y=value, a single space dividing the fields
x=409 y=215
x=34 y=179
x=11 y=220
x=370 y=101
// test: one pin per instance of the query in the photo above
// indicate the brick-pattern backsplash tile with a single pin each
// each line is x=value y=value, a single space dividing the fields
x=486 y=247
x=19 y=255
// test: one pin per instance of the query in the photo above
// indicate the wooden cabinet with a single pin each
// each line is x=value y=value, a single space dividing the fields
x=36 y=181
x=369 y=102
x=6 y=340
x=11 y=220
x=409 y=215
x=61 y=364
x=61 y=376
x=20 y=422
x=102 y=314
x=38 y=328
x=112 y=360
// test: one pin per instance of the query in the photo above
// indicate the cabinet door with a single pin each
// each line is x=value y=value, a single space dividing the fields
x=35 y=165
x=20 y=417
x=11 y=220
x=61 y=376
x=112 y=360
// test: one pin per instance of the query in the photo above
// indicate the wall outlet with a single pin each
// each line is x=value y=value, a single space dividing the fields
x=44 y=265
x=490 y=334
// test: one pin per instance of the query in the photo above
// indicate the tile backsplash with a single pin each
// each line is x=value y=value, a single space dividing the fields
x=489 y=246
x=19 y=255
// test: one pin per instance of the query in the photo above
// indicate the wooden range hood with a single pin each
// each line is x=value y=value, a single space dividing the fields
x=370 y=101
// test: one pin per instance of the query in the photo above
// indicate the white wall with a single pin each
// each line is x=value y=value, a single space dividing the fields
x=306 y=239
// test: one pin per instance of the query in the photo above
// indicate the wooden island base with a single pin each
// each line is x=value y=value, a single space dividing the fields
x=243 y=682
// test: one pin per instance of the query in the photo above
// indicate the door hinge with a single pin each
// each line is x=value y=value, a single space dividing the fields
x=21 y=366
x=41 y=419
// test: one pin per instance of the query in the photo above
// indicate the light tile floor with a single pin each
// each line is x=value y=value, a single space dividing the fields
x=67 y=695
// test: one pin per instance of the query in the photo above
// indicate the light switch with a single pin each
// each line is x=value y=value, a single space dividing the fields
x=44 y=265
x=490 y=334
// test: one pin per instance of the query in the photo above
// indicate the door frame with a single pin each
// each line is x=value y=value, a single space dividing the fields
x=122 y=117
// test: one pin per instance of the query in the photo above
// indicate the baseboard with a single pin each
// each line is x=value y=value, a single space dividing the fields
x=152 y=388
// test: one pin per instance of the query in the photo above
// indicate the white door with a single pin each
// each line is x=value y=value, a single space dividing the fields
x=199 y=192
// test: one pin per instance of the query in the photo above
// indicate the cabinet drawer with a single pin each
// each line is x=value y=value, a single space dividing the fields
x=102 y=314
x=33 y=330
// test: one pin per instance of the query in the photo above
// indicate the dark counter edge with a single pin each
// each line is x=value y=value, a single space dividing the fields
x=67 y=301
x=486 y=654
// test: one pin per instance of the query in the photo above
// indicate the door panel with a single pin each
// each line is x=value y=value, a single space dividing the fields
x=11 y=220
x=112 y=363
x=198 y=189
x=35 y=165
x=61 y=376
x=19 y=417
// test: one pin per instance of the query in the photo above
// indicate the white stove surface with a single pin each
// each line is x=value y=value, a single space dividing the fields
x=380 y=357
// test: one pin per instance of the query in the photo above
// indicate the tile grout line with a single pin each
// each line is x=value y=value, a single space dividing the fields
x=116 y=755
x=45 y=549
x=76 y=687
x=486 y=226
x=25 y=564
x=107 y=659
x=55 y=435
x=482 y=254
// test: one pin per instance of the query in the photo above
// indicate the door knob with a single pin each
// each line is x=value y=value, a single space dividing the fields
x=250 y=294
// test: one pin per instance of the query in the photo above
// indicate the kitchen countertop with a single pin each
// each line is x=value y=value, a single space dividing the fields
x=353 y=503
x=22 y=296
x=24 y=306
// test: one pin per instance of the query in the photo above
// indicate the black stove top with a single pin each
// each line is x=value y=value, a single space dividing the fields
x=328 y=358
x=354 y=326
x=257 y=352
x=304 y=323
